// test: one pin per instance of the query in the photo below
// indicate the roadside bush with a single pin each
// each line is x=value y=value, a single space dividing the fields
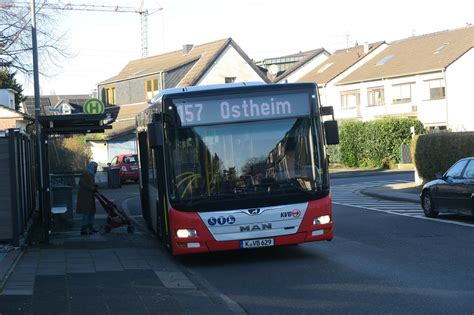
x=68 y=154
x=334 y=153
x=375 y=143
x=435 y=153
x=351 y=139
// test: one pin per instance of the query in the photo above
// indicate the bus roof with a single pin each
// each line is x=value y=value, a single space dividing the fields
x=211 y=87
x=172 y=91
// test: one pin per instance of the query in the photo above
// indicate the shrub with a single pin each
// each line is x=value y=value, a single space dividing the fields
x=69 y=154
x=334 y=153
x=351 y=134
x=435 y=153
x=375 y=143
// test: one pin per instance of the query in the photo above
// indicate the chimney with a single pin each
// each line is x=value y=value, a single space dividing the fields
x=366 y=47
x=187 y=48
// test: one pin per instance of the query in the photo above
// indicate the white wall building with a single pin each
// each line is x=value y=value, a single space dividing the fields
x=305 y=65
x=7 y=98
x=340 y=64
x=427 y=76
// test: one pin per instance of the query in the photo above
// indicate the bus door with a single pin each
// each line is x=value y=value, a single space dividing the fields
x=161 y=219
x=144 y=176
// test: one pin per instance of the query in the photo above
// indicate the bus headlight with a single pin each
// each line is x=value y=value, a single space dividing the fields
x=185 y=233
x=324 y=219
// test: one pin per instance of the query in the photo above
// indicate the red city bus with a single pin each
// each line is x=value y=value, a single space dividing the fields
x=236 y=166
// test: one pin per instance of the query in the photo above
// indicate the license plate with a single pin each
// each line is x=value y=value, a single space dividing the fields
x=134 y=168
x=265 y=242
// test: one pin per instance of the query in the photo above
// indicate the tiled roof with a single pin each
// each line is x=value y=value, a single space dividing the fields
x=49 y=101
x=337 y=63
x=414 y=55
x=125 y=120
x=203 y=54
x=307 y=57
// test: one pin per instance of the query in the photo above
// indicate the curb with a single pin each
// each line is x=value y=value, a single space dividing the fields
x=8 y=265
x=348 y=174
x=390 y=196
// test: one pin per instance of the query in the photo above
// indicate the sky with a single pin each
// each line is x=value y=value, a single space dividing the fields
x=100 y=44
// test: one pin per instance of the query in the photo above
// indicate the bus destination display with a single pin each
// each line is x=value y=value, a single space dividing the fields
x=213 y=111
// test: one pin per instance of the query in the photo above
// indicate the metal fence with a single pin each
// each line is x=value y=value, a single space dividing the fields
x=405 y=154
x=17 y=186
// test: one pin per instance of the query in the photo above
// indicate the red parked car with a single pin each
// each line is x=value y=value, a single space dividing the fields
x=128 y=165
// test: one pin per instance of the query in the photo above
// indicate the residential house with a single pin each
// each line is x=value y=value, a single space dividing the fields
x=56 y=104
x=427 y=76
x=217 y=62
x=7 y=98
x=340 y=64
x=290 y=68
x=222 y=61
x=9 y=117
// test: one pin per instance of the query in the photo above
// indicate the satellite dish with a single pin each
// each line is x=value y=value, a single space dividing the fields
x=273 y=69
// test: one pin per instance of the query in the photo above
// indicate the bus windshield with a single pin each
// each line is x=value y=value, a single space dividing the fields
x=263 y=163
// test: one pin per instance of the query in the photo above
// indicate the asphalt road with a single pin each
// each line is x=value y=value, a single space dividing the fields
x=377 y=263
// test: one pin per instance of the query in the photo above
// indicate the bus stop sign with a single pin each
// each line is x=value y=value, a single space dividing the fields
x=94 y=106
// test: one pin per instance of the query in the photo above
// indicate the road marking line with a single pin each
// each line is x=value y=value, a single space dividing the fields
x=407 y=215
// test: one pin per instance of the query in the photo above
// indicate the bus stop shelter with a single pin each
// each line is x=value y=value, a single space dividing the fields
x=73 y=124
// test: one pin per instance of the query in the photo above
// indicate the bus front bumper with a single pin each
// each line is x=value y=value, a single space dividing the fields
x=182 y=247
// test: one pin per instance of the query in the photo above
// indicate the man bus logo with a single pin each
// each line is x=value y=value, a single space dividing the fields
x=94 y=106
x=255 y=227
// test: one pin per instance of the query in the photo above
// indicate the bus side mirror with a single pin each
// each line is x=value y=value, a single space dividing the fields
x=327 y=111
x=155 y=134
x=332 y=132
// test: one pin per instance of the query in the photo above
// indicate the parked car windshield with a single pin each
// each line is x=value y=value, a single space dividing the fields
x=456 y=169
x=469 y=171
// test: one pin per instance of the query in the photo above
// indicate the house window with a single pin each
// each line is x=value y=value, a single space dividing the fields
x=437 y=89
x=230 y=79
x=375 y=96
x=110 y=96
x=152 y=88
x=350 y=99
x=401 y=93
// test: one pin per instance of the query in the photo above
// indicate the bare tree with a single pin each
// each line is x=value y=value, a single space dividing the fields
x=15 y=37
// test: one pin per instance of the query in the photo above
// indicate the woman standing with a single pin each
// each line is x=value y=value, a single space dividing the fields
x=86 y=200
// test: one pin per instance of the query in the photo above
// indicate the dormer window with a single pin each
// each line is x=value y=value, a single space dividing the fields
x=439 y=49
x=384 y=60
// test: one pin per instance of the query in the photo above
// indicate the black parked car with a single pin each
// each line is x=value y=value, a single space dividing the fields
x=451 y=192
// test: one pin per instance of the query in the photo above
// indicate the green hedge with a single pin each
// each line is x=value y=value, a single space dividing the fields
x=435 y=153
x=375 y=143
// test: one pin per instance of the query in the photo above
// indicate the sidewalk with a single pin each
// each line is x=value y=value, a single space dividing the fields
x=115 y=273
x=408 y=192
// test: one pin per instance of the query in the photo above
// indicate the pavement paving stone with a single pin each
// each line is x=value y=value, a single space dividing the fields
x=115 y=273
x=18 y=304
x=89 y=305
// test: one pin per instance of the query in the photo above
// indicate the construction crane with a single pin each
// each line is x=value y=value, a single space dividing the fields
x=144 y=13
